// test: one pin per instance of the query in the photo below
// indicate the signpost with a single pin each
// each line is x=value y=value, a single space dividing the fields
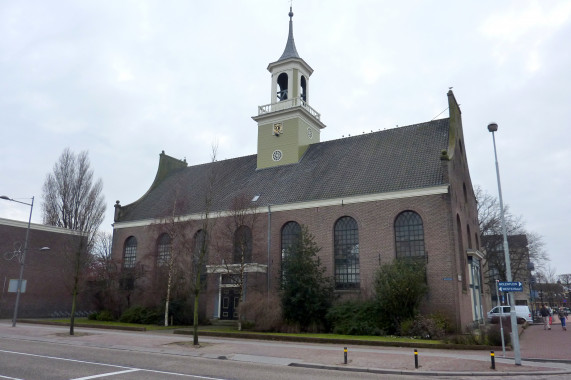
x=510 y=286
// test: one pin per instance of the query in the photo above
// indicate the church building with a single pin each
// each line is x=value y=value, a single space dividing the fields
x=367 y=199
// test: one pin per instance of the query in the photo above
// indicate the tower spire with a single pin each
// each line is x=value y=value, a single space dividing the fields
x=290 y=51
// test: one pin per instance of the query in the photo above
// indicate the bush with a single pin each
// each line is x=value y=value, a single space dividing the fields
x=105 y=315
x=139 y=314
x=180 y=311
x=400 y=286
x=493 y=336
x=354 y=318
x=261 y=313
x=443 y=322
x=422 y=327
x=92 y=317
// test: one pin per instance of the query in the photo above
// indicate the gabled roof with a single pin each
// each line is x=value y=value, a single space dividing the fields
x=404 y=158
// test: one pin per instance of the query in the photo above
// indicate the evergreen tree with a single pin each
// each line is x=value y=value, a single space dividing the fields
x=307 y=293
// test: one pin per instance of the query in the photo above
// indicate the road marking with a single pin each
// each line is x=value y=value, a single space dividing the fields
x=127 y=369
x=10 y=378
x=106 y=374
x=64 y=359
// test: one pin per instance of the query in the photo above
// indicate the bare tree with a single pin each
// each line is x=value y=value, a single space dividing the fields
x=174 y=245
x=524 y=246
x=201 y=241
x=235 y=248
x=73 y=200
x=104 y=271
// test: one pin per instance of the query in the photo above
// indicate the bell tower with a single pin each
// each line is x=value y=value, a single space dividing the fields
x=287 y=125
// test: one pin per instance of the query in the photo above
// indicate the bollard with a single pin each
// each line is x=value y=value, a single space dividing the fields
x=415 y=358
x=345 y=354
x=492 y=356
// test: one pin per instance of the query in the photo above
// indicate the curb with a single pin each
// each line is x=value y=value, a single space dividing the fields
x=425 y=373
x=105 y=327
x=339 y=341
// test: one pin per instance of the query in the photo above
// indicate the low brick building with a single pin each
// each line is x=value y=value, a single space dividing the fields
x=367 y=199
x=46 y=272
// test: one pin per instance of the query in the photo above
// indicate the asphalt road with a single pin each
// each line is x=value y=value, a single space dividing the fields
x=21 y=359
x=48 y=352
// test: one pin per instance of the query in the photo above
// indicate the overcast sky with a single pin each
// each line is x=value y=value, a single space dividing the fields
x=126 y=80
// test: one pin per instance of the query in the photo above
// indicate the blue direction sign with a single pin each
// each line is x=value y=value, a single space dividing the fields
x=510 y=286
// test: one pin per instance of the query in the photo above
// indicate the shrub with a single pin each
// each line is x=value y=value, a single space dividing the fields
x=443 y=322
x=180 y=311
x=354 y=318
x=92 y=317
x=400 y=286
x=261 y=312
x=139 y=314
x=493 y=336
x=105 y=315
x=422 y=327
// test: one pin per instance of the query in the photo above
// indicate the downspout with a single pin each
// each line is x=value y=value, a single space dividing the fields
x=269 y=246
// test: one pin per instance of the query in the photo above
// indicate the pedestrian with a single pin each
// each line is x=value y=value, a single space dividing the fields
x=545 y=317
x=562 y=318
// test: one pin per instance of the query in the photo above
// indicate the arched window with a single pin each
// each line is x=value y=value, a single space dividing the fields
x=303 y=89
x=242 y=245
x=346 y=253
x=291 y=233
x=164 y=247
x=200 y=256
x=469 y=235
x=282 y=84
x=130 y=252
x=462 y=253
x=409 y=235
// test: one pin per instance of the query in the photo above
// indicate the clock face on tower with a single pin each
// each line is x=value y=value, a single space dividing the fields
x=278 y=129
x=277 y=155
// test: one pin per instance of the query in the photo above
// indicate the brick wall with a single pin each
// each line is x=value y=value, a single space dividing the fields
x=48 y=288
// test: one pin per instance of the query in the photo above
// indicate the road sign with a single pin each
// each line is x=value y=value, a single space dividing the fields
x=510 y=286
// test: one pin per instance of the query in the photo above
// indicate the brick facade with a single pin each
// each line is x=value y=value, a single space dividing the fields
x=48 y=288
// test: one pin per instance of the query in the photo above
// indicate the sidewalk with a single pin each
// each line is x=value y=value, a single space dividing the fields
x=535 y=344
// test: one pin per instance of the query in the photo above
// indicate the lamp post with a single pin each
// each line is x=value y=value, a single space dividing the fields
x=22 y=257
x=493 y=127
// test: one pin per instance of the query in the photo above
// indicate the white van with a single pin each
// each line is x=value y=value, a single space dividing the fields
x=522 y=313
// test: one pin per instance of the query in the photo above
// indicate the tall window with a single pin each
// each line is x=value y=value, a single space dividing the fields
x=243 y=245
x=346 y=253
x=303 y=89
x=291 y=233
x=469 y=235
x=409 y=235
x=282 y=84
x=130 y=252
x=164 y=247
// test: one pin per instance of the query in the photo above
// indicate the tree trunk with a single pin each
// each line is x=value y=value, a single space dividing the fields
x=72 y=318
x=75 y=288
x=168 y=299
x=195 y=322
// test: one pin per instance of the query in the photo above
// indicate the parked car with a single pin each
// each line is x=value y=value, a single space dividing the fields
x=522 y=313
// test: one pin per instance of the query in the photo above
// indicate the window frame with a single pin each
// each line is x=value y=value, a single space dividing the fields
x=346 y=261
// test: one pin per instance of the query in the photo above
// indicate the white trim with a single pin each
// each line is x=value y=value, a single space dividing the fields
x=235 y=268
x=441 y=189
x=475 y=252
x=38 y=227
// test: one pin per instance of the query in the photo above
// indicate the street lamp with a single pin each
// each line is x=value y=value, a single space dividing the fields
x=493 y=127
x=21 y=257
